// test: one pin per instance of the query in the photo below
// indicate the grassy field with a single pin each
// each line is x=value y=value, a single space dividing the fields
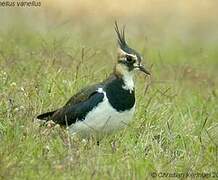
x=175 y=128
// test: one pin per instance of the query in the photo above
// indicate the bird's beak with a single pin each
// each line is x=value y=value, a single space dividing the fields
x=141 y=68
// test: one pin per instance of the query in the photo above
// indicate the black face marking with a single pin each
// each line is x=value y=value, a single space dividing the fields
x=119 y=98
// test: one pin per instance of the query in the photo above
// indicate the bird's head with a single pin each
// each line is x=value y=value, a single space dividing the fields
x=128 y=59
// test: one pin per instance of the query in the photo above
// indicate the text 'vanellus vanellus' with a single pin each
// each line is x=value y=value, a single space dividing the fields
x=105 y=107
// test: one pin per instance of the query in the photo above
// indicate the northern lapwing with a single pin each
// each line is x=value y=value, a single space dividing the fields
x=107 y=106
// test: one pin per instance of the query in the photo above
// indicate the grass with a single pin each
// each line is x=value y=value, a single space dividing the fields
x=174 y=128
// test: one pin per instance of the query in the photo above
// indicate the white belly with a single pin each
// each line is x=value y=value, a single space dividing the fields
x=103 y=119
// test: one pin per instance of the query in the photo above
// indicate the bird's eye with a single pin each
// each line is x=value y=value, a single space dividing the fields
x=129 y=58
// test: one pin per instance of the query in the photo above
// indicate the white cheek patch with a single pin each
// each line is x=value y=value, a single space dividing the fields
x=136 y=66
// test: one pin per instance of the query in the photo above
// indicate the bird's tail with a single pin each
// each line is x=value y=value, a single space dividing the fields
x=46 y=116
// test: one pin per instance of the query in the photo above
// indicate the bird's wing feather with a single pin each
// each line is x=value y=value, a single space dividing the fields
x=83 y=94
x=78 y=105
x=86 y=92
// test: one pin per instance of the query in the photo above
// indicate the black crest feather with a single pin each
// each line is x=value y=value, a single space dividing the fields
x=121 y=36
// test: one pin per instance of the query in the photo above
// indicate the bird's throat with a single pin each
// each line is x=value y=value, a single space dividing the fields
x=126 y=76
x=128 y=82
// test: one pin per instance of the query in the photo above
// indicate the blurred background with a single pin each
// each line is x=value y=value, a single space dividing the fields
x=161 y=19
x=174 y=36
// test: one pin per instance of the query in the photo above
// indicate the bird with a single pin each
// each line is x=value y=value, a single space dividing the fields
x=105 y=107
